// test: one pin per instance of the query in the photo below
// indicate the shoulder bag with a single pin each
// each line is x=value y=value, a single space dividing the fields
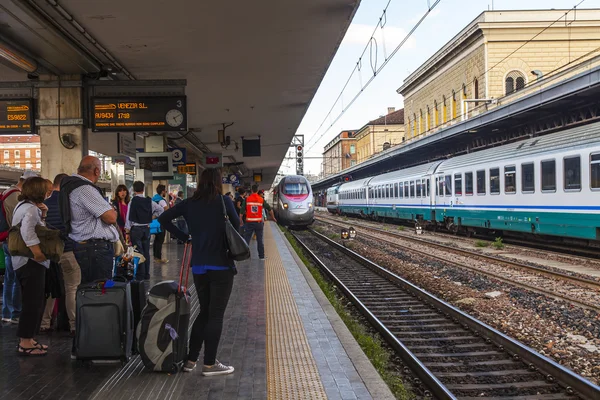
x=51 y=242
x=238 y=248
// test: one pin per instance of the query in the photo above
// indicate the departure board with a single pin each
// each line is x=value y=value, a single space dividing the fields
x=16 y=116
x=149 y=114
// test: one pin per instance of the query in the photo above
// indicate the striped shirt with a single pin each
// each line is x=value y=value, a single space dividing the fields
x=87 y=205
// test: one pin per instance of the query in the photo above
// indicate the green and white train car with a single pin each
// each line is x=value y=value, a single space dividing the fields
x=547 y=185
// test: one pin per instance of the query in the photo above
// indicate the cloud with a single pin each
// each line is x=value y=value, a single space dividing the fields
x=360 y=34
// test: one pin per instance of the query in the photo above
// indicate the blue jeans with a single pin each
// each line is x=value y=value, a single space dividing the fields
x=95 y=258
x=140 y=238
x=11 y=296
x=259 y=228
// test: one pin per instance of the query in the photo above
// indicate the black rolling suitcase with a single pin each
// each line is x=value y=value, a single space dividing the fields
x=162 y=334
x=104 y=321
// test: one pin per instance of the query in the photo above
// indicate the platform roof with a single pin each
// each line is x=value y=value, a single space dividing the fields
x=256 y=64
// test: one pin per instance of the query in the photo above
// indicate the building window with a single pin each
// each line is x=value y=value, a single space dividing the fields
x=27 y=153
x=38 y=153
x=352 y=163
x=17 y=164
x=444 y=111
x=38 y=164
x=28 y=165
x=352 y=149
x=453 y=105
x=515 y=80
x=17 y=153
x=6 y=154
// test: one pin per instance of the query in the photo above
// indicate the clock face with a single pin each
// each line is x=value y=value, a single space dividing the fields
x=174 y=118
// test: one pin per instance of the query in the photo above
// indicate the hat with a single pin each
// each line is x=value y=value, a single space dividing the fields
x=29 y=174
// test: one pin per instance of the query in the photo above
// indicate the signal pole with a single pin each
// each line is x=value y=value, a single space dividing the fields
x=298 y=143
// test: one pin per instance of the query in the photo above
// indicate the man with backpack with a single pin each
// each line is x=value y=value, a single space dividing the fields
x=11 y=295
x=159 y=238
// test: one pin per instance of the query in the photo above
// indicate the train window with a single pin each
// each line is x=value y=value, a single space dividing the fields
x=510 y=179
x=427 y=186
x=401 y=186
x=549 y=176
x=572 y=173
x=527 y=178
x=387 y=191
x=448 y=184
x=396 y=195
x=412 y=189
x=469 y=183
x=419 y=185
x=295 y=188
x=406 y=189
x=595 y=171
x=440 y=186
x=494 y=180
x=481 y=182
x=458 y=184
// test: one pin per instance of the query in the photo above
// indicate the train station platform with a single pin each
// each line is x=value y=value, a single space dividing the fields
x=280 y=333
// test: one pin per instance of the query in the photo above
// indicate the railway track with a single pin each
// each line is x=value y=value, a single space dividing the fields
x=453 y=355
x=531 y=278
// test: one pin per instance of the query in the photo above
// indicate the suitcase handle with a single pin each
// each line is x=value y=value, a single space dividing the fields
x=187 y=255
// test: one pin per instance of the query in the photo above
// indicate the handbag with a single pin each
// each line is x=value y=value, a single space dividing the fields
x=238 y=248
x=51 y=242
x=119 y=245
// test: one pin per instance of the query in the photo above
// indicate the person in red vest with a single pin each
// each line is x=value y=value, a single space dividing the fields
x=252 y=210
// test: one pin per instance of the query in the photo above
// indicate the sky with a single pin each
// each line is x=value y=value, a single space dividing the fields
x=443 y=22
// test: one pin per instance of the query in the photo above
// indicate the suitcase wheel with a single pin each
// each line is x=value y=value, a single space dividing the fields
x=176 y=367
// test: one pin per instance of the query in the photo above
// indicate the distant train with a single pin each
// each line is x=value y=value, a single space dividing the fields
x=546 y=186
x=292 y=201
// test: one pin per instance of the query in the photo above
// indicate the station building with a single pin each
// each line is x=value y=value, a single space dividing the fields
x=340 y=153
x=497 y=58
x=21 y=151
x=380 y=134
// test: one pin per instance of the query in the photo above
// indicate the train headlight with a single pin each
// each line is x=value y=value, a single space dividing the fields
x=309 y=205
x=285 y=205
x=344 y=233
x=352 y=232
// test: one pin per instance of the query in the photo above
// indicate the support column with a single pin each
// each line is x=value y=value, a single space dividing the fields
x=64 y=106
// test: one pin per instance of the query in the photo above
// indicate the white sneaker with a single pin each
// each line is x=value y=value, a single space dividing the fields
x=216 y=369
x=5 y=319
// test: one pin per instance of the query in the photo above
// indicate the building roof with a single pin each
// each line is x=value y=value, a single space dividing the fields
x=20 y=139
x=396 y=117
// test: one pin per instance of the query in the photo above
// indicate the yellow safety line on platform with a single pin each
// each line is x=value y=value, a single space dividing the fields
x=291 y=369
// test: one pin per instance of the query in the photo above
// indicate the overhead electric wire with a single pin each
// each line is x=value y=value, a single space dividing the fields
x=376 y=71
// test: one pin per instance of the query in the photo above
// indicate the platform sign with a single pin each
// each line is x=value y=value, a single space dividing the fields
x=134 y=114
x=179 y=155
x=213 y=160
x=16 y=116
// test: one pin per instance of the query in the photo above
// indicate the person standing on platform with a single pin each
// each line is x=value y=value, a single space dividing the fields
x=89 y=221
x=159 y=238
x=11 y=294
x=31 y=272
x=120 y=203
x=68 y=264
x=212 y=267
x=142 y=210
x=252 y=214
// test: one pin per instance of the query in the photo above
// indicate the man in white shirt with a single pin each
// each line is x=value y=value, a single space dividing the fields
x=141 y=211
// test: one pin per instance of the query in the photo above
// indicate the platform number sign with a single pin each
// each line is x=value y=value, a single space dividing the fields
x=179 y=156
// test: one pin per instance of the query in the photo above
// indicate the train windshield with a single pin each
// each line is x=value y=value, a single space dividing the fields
x=295 y=189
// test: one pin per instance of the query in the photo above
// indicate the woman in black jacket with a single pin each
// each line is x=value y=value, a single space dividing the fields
x=212 y=266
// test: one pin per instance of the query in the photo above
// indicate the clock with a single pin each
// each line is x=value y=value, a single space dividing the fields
x=174 y=118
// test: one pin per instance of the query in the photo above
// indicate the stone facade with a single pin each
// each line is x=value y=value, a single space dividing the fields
x=372 y=138
x=498 y=56
x=339 y=154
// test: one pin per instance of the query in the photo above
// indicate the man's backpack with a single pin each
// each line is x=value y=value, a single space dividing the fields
x=4 y=224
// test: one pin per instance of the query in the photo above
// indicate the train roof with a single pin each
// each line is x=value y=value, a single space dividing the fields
x=569 y=139
x=355 y=184
x=417 y=171
x=294 y=179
